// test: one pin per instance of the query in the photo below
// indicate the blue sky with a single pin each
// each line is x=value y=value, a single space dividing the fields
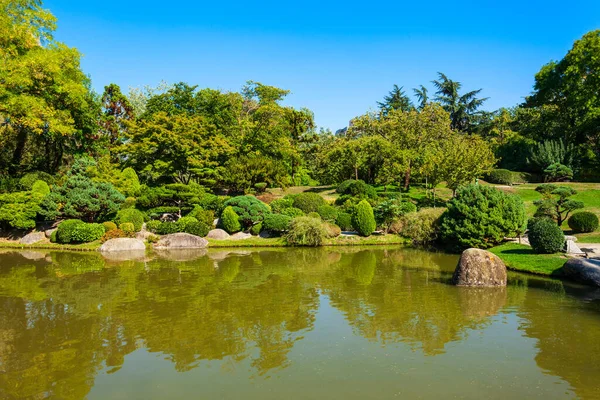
x=338 y=58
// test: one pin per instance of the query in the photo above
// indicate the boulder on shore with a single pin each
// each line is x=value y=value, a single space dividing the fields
x=583 y=270
x=240 y=236
x=32 y=238
x=123 y=244
x=478 y=267
x=218 y=234
x=181 y=241
x=49 y=232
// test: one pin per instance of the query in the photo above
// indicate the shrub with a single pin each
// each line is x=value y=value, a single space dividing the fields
x=109 y=226
x=260 y=187
x=344 y=221
x=128 y=203
x=305 y=231
x=151 y=226
x=114 y=234
x=364 y=219
x=276 y=223
x=230 y=220
x=389 y=211
x=131 y=215
x=482 y=216
x=53 y=237
x=558 y=173
x=356 y=188
x=500 y=177
x=278 y=205
x=314 y=215
x=127 y=227
x=205 y=216
x=583 y=222
x=292 y=212
x=85 y=233
x=196 y=228
x=65 y=230
x=556 y=203
x=40 y=188
x=422 y=227
x=249 y=209
x=153 y=239
x=27 y=181
x=332 y=230
x=328 y=213
x=256 y=229
x=184 y=221
x=20 y=209
x=166 y=228
x=309 y=202
x=545 y=236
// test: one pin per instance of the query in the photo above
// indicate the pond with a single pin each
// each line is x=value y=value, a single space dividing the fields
x=351 y=323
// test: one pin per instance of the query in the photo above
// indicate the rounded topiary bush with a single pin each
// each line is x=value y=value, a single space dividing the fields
x=344 y=221
x=314 y=215
x=328 y=213
x=196 y=228
x=166 y=228
x=127 y=227
x=131 y=215
x=545 y=236
x=500 y=177
x=309 y=202
x=278 y=205
x=249 y=210
x=185 y=221
x=85 y=233
x=65 y=230
x=292 y=212
x=277 y=223
x=583 y=222
x=356 y=188
x=151 y=226
x=364 y=219
x=256 y=229
x=306 y=231
x=422 y=227
x=230 y=220
x=109 y=226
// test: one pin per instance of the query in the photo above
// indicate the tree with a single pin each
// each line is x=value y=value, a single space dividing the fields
x=463 y=108
x=422 y=96
x=20 y=209
x=363 y=219
x=551 y=152
x=116 y=110
x=555 y=203
x=395 y=100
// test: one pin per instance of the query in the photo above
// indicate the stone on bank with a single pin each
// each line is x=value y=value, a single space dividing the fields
x=122 y=244
x=478 y=267
x=583 y=271
x=181 y=241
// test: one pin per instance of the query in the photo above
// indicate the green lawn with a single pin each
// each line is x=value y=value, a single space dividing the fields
x=593 y=237
x=93 y=246
x=520 y=257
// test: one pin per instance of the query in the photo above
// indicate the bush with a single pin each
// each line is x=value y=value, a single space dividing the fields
x=328 y=213
x=131 y=215
x=356 y=188
x=422 y=227
x=114 y=234
x=482 y=216
x=27 y=181
x=53 y=237
x=151 y=226
x=292 y=212
x=196 y=228
x=558 y=173
x=64 y=232
x=364 y=219
x=500 y=177
x=389 y=211
x=85 y=233
x=305 y=231
x=249 y=209
x=128 y=203
x=583 y=222
x=184 y=221
x=260 y=187
x=109 y=226
x=205 y=216
x=230 y=220
x=344 y=221
x=314 y=215
x=309 y=202
x=278 y=205
x=153 y=239
x=127 y=227
x=545 y=236
x=277 y=223
x=332 y=230
x=40 y=188
x=166 y=228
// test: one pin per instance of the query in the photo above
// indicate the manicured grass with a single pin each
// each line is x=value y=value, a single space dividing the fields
x=520 y=257
x=593 y=237
x=93 y=246
x=375 y=240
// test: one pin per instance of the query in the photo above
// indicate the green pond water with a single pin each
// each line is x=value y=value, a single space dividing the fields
x=328 y=323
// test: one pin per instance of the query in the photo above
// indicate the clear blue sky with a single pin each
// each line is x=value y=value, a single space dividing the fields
x=338 y=58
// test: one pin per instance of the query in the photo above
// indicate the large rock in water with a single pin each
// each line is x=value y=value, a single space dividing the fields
x=583 y=270
x=479 y=268
x=32 y=238
x=123 y=244
x=181 y=241
x=218 y=234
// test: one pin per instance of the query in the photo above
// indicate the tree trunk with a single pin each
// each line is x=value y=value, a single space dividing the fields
x=407 y=180
x=356 y=173
x=18 y=152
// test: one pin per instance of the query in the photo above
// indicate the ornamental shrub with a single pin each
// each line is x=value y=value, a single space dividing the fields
x=230 y=220
x=127 y=227
x=184 y=221
x=314 y=215
x=256 y=229
x=40 y=189
x=332 y=230
x=128 y=203
x=53 y=238
x=151 y=226
x=545 y=236
x=306 y=231
x=389 y=211
x=344 y=221
x=309 y=202
x=27 y=181
x=481 y=216
x=500 y=177
x=277 y=223
x=363 y=219
x=328 y=213
x=65 y=229
x=85 y=233
x=260 y=187
x=292 y=212
x=249 y=209
x=558 y=173
x=278 y=205
x=109 y=226
x=131 y=215
x=166 y=228
x=422 y=227
x=205 y=216
x=114 y=234
x=196 y=228
x=356 y=188
x=583 y=222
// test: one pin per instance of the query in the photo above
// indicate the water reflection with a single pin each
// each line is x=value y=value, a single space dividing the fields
x=64 y=317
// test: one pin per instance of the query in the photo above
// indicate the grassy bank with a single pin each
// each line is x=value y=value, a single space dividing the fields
x=522 y=258
x=93 y=246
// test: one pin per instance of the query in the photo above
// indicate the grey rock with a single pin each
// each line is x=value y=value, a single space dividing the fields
x=181 y=241
x=123 y=244
x=143 y=235
x=218 y=234
x=49 y=232
x=479 y=268
x=583 y=271
x=32 y=238
x=240 y=236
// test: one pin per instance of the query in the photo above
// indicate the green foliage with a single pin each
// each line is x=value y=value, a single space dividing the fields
x=109 y=226
x=462 y=107
x=184 y=221
x=256 y=229
x=309 y=202
x=127 y=227
x=550 y=152
x=20 y=209
x=545 y=236
x=27 y=181
x=260 y=186
x=278 y=205
x=363 y=219
x=153 y=225
x=197 y=228
x=305 y=231
x=249 y=209
x=230 y=220
x=314 y=215
x=66 y=229
x=344 y=221
x=481 y=216
x=332 y=230
x=500 y=177
x=557 y=173
x=136 y=217
x=207 y=217
x=114 y=234
x=422 y=227
x=292 y=212
x=277 y=223
x=328 y=213
x=556 y=203
x=388 y=211
x=166 y=228
x=128 y=203
x=244 y=172
x=583 y=222
x=356 y=188
x=54 y=236
x=85 y=233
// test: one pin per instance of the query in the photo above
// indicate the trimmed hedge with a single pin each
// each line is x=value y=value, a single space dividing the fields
x=127 y=227
x=77 y=231
x=328 y=213
x=309 y=202
x=64 y=232
x=545 y=236
x=276 y=223
x=344 y=221
x=151 y=226
x=196 y=228
x=109 y=226
x=166 y=228
x=249 y=209
x=292 y=212
x=500 y=177
x=131 y=215
x=364 y=219
x=583 y=222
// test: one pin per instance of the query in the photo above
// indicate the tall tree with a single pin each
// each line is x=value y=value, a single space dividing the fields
x=422 y=96
x=116 y=110
x=463 y=108
x=395 y=100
